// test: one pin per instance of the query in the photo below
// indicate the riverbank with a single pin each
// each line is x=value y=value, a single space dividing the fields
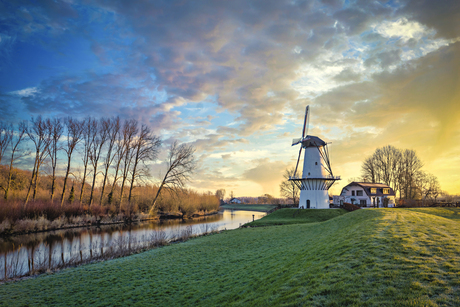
x=393 y=257
x=41 y=224
x=255 y=207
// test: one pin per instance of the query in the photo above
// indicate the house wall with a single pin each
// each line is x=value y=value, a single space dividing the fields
x=348 y=196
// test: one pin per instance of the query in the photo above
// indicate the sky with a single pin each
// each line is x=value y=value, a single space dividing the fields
x=233 y=78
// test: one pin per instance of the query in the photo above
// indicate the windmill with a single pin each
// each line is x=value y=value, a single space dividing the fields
x=317 y=176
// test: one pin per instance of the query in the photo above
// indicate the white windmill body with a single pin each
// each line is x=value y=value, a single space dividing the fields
x=317 y=175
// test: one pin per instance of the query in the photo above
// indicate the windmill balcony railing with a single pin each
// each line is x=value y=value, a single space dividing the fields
x=327 y=177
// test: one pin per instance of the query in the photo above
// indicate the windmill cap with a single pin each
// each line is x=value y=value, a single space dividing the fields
x=312 y=141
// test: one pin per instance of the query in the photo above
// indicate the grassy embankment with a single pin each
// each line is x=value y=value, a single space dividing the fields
x=255 y=207
x=392 y=257
x=297 y=216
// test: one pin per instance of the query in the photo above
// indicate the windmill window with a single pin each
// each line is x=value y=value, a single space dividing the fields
x=316 y=163
x=308 y=174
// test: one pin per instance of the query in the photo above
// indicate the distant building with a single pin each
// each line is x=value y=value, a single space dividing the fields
x=365 y=194
x=235 y=201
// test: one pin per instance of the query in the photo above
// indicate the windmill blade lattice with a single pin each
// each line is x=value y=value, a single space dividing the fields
x=297 y=141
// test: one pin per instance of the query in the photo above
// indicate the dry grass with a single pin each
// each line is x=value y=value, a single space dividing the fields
x=42 y=214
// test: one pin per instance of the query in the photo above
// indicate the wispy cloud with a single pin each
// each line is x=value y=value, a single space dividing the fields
x=232 y=77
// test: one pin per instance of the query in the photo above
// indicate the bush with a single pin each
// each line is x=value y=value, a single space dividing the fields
x=350 y=207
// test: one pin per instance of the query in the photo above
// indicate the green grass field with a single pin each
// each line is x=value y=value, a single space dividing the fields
x=297 y=216
x=372 y=257
x=261 y=208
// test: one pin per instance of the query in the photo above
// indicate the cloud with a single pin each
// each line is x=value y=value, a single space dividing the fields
x=347 y=75
x=401 y=28
x=443 y=16
x=266 y=173
x=226 y=156
x=375 y=73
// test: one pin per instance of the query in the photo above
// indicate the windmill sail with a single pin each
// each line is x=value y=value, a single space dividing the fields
x=296 y=141
x=300 y=140
x=305 y=123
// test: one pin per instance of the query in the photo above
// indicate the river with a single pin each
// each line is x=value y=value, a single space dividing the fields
x=39 y=252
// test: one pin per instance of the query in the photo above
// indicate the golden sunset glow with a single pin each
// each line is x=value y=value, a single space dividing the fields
x=233 y=78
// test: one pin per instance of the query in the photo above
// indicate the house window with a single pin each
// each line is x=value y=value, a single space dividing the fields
x=386 y=191
x=359 y=193
x=362 y=202
x=373 y=190
x=352 y=193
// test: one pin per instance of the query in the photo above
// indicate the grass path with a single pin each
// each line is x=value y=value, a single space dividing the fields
x=378 y=257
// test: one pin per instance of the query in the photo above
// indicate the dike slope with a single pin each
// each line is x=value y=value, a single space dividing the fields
x=393 y=257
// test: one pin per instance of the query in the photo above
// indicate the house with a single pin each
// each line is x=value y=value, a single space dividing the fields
x=235 y=201
x=365 y=194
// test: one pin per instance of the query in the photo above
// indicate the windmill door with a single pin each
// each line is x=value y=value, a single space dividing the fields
x=308 y=204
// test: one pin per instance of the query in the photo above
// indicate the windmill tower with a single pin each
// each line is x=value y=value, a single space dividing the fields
x=317 y=175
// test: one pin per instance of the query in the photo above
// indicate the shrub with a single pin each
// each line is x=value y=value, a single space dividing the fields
x=73 y=209
x=350 y=207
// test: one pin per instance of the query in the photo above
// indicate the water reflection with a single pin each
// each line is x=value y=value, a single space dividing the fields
x=22 y=254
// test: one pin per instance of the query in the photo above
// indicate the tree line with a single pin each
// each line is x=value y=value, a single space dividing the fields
x=113 y=153
x=401 y=169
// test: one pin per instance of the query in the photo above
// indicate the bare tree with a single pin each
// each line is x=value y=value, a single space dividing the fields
x=288 y=189
x=383 y=166
x=428 y=186
x=89 y=133
x=435 y=187
x=74 y=132
x=5 y=138
x=113 y=126
x=102 y=134
x=410 y=166
x=117 y=159
x=220 y=194
x=16 y=139
x=38 y=134
x=394 y=167
x=145 y=148
x=180 y=165
x=55 y=129
x=129 y=132
x=369 y=169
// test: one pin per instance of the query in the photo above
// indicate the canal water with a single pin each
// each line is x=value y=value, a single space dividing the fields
x=49 y=250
